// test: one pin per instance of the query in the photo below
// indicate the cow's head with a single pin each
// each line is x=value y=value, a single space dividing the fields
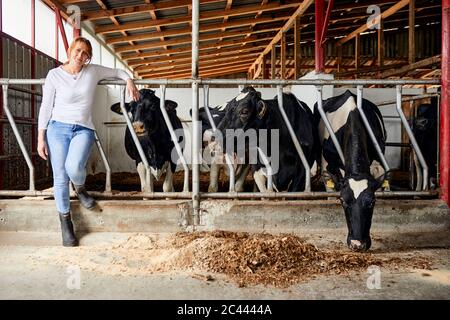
x=248 y=107
x=145 y=114
x=357 y=196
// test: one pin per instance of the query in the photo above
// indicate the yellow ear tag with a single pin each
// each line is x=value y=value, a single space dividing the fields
x=385 y=184
x=330 y=184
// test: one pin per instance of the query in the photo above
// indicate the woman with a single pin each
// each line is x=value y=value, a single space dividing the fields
x=66 y=130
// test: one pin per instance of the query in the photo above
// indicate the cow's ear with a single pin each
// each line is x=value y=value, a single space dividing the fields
x=171 y=105
x=382 y=180
x=261 y=109
x=258 y=94
x=116 y=107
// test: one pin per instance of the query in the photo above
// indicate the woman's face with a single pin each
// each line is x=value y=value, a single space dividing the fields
x=79 y=55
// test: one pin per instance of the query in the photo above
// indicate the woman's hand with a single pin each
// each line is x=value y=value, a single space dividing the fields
x=42 y=145
x=42 y=149
x=133 y=91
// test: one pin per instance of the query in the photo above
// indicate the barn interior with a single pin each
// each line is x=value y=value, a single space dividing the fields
x=375 y=42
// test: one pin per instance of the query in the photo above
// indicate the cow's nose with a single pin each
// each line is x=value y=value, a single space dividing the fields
x=357 y=245
x=138 y=127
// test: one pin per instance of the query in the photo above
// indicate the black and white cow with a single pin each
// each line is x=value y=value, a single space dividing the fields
x=216 y=162
x=154 y=136
x=425 y=131
x=356 y=179
x=252 y=112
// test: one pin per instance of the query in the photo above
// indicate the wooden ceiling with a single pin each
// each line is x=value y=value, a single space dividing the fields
x=154 y=37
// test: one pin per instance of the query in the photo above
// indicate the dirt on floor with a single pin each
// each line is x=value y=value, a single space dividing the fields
x=248 y=259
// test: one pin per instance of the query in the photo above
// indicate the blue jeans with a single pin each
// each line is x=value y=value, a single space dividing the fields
x=69 y=146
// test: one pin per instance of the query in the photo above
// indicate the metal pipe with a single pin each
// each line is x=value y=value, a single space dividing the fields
x=246 y=82
x=312 y=195
x=297 y=145
x=195 y=37
x=228 y=160
x=216 y=195
x=23 y=149
x=105 y=162
x=196 y=130
x=328 y=125
x=412 y=139
x=269 y=170
x=97 y=194
x=174 y=138
x=369 y=129
x=148 y=176
x=405 y=99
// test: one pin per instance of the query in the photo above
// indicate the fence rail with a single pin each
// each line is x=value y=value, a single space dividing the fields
x=195 y=83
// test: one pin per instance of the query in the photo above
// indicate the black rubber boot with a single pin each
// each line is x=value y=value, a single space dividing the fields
x=68 y=235
x=86 y=200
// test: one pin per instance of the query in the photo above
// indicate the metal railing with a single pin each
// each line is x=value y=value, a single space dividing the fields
x=196 y=194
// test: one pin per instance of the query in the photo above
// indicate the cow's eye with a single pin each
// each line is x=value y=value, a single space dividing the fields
x=344 y=204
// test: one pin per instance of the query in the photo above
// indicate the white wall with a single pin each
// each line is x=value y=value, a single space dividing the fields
x=112 y=135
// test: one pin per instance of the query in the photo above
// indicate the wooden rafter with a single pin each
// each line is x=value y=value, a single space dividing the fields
x=300 y=10
x=188 y=40
x=222 y=44
x=208 y=27
x=203 y=17
x=181 y=57
x=384 y=15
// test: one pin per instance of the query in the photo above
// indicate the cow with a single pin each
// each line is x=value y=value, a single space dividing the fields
x=154 y=136
x=216 y=161
x=252 y=112
x=425 y=131
x=362 y=174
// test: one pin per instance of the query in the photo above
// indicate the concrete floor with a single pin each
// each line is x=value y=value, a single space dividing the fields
x=25 y=275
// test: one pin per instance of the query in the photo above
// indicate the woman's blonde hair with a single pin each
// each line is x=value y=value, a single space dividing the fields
x=80 y=40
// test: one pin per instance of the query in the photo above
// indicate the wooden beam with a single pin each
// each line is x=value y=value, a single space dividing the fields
x=357 y=51
x=370 y=70
x=215 y=45
x=187 y=62
x=187 y=57
x=128 y=10
x=273 y=60
x=265 y=67
x=204 y=74
x=208 y=15
x=283 y=56
x=380 y=44
x=300 y=10
x=420 y=64
x=297 y=48
x=384 y=15
x=220 y=66
x=411 y=32
x=184 y=40
x=203 y=28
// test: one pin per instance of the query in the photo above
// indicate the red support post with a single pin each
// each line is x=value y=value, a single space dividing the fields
x=319 y=52
x=61 y=29
x=444 y=134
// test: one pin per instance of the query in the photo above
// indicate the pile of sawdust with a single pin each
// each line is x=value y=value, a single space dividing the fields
x=277 y=260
